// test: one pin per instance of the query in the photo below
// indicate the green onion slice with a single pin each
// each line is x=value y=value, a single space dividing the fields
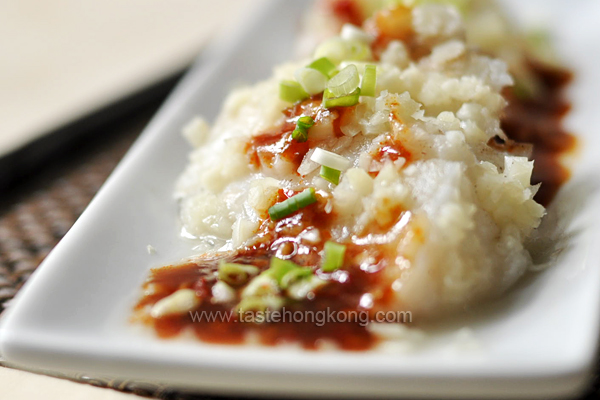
x=335 y=49
x=300 y=135
x=236 y=274
x=294 y=276
x=358 y=50
x=286 y=272
x=330 y=101
x=293 y=204
x=305 y=122
x=330 y=174
x=311 y=80
x=329 y=159
x=252 y=309
x=369 y=81
x=345 y=82
x=291 y=91
x=324 y=66
x=278 y=268
x=252 y=305
x=334 y=256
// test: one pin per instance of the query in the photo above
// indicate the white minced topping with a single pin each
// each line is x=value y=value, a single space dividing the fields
x=222 y=293
x=180 y=302
x=467 y=208
x=329 y=159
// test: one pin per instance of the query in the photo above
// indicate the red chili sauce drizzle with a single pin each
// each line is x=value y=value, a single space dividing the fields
x=264 y=149
x=538 y=120
x=342 y=292
x=346 y=11
x=390 y=149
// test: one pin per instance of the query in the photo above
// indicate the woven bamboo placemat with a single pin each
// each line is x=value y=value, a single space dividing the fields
x=36 y=215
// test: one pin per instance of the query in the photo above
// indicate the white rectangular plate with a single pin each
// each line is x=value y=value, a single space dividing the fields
x=539 y=340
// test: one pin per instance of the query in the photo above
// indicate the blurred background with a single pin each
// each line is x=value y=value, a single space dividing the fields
x=70 y=65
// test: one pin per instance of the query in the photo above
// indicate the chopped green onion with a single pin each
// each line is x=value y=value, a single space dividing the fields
x=286 y=272
x=311 y=80
x=360 y=65
x=293 y=204
x=330 y=101
x=252 y=305
x=300 y=134
x=252 y=309
x=305 y=122
x=358 y=50
x=369 y=81
x=335 y=49
x=330 y=174
x=291 y=91
x=278 y=268
x=324 y=66
x=294 y=276
x=329 y=159
x=334 y=256
x=235 y=274
x=345 y=82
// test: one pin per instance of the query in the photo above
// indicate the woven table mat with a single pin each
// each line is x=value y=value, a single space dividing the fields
x=35 y=216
